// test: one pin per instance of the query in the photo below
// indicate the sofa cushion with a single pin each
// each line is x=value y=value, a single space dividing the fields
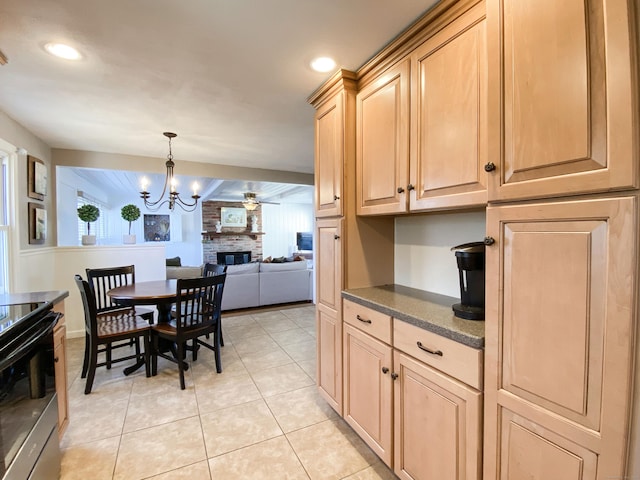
x=243 y=268
x=282 y=267
x=173 y=262
x=184 y=272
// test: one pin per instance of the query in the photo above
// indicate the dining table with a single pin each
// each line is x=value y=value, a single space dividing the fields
x=161 y=293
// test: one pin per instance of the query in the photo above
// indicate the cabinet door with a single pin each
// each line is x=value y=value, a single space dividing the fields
x=60 y=359
x=329 y=310
x=368 y=390
x=448 y=116
x=559 y=335
x=329 y=144
x=382 y=143
x=437 y=427
x=562 y=97
x=329 y=356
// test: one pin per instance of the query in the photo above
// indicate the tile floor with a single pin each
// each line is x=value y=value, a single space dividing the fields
x=260 y=419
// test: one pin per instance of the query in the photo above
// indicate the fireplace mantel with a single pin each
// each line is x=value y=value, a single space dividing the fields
x=212 y=235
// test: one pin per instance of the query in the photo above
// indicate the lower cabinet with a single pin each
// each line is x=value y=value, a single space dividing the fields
x=419 y=420
x=329 y=357
x=368 y=390
x=437 y=424
x=60 y=359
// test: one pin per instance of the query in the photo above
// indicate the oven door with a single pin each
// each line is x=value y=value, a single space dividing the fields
x=28 y=407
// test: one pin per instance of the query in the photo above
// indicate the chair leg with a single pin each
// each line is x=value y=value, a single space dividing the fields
x=91 y=373
x=217 y=337
x=180 y=347
x=85 y=361
x=154 y=355
x=108 y=354
x=147 y=354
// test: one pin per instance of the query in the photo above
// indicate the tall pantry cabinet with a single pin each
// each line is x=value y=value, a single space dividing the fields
x=561 y=275
x=343 y=242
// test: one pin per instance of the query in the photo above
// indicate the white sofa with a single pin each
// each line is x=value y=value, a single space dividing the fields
x=258 y=284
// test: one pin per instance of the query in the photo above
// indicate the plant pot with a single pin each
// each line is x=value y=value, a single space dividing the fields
x=128 y=239
x=88 y=239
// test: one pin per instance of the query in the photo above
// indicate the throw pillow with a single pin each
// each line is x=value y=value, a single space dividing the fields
x=173 y=262
x=278 y=260
x=267 y=260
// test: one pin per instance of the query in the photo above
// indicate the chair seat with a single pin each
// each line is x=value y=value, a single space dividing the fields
x=111 y=325
x=170 y=328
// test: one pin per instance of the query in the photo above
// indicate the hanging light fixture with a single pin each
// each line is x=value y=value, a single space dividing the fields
x=250 y=202
x=170 y=184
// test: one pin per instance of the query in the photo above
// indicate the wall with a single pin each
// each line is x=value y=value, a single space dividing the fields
x=18 y=137
x=185 y=226
x=281 y=222
x=423 y=256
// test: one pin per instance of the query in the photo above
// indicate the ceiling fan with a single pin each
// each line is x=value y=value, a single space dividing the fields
x=250 y=201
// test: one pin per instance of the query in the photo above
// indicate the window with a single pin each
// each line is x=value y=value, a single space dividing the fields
x=99 y=228
x=4 y=224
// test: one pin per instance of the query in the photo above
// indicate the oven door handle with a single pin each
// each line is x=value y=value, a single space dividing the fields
x=45 y=327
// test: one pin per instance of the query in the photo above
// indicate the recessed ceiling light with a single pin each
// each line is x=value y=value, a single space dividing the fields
x=323 y=64
x=63 y=51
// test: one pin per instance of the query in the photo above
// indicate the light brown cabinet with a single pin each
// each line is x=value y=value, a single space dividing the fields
x=419 y=420
x=448 y=116
x=60 y=366
x=561 y=90
x=329 y=310
x=559 y=338
x=368 y=390
x=382 y=143
x=436 y=97
x=437 y=424
x=334 y=120
x=368 y=370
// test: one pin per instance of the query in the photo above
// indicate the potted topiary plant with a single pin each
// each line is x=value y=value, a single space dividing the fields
x=130 y=213
x=88 y=213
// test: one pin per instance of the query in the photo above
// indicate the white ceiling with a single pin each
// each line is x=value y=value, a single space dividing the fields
x=230 y=77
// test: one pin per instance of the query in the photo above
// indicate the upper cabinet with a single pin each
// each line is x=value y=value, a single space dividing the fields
x=382 y=143
x=562 y=98
x=448 y=116
x=334 y=123
x=421 y=129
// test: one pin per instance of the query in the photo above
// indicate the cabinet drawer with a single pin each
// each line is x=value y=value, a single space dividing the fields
x=450 y=357
x=376 y=324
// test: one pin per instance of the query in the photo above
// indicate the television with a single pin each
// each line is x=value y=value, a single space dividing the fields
x=304 y=241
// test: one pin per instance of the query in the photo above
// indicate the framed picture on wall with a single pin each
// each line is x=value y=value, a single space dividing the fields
x=157 y=228
x=233 y=217
x=37 y=223
x=37 y=178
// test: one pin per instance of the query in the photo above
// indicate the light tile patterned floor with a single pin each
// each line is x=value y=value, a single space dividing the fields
x=262 y=418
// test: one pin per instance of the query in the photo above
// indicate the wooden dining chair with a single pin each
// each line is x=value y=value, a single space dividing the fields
x=102 y=329
x=209 y=270
x=101 y=280
x=197 y=313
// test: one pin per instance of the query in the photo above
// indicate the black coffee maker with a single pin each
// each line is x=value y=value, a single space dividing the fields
x=470 y=257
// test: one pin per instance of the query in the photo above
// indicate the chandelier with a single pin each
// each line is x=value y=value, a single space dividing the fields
x=170 y=184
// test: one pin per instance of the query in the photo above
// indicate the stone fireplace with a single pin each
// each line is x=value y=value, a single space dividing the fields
x=231 y=239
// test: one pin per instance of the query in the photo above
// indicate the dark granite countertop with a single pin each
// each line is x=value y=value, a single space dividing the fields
x=50 y=297
x=427 y=310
